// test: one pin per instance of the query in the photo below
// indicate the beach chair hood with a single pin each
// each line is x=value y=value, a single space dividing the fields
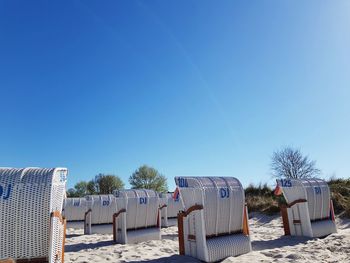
x=138 y=216
x=309 y=207
x=215 y=217
x=31 y=201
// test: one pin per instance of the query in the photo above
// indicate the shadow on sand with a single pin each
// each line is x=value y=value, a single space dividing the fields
x=84 y=246
x=169 y=236
x=170 y=259
x=278 y=242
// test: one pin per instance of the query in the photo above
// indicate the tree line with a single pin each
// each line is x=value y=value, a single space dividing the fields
x=144 y=177
x=288 y=162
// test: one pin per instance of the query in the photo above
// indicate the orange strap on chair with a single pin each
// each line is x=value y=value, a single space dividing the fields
x=63 y=221
x=245 y=222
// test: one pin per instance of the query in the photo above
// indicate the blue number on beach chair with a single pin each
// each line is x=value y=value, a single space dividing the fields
x=5 y=195
x=224 y=193
x=183 y=182
x=286 y=183
x=76 y=203
x=143 y=200
x=105 y=203
x=63 y=177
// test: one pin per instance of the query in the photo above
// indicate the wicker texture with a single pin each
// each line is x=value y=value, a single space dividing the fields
x=221 y=219
x=25 y=216
x=226 y=246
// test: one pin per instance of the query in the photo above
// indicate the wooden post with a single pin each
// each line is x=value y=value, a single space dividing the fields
x=87 y=225
x=180 y=224
x=64 y=237
x=115 y=223
x=285 y=221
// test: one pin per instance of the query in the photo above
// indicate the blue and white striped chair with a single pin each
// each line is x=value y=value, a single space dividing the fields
x=74 y=209
x=31 y=225
x=138 y=217
x=214 y=224
x=309 y=209
x=99 y=214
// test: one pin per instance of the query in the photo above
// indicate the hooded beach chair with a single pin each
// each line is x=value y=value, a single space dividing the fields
x=214 y=224
x=32 y=228
x=74 y=209
x=100 y=211
x=171 y=205
x=138 y=217
x=309 y=209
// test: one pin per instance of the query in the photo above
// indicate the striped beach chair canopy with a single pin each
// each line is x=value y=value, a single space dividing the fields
x=31 y=226
x=74 y=209
x=102 y=208
x=315 y=191
x=139 y=220
x=215 y=217
x=308 y=200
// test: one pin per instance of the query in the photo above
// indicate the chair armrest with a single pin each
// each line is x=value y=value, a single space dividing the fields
x=163 y=206
x=115 y=215
x=63 y=221
x=181 y=215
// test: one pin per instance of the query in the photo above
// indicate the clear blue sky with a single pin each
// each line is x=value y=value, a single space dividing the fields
x=188 y=87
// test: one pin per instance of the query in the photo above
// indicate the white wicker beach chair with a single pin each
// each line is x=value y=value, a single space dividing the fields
x=138 y=218
x=309 y=209
x=214 y=225
x=172 y=206
x=74 y=209
x=31 y=226
x=101 y=209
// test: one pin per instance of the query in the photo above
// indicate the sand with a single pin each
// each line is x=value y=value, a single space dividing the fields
x=268 y=242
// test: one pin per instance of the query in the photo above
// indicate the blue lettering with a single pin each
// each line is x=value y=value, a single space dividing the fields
x=286 y=183
x=8 y=193
x=143 y=200
x=183 y=182
x=5 y=195
x=105 y=203
x=225 y=193
x=317 y=190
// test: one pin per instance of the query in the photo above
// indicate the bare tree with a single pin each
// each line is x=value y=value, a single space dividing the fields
x=290 y=163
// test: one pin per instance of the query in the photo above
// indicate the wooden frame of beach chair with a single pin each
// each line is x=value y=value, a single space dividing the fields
x=173 y=207
x=33 y=198
x=138 y=218
x=100 y=211
x=309 y=209
x=214 y=224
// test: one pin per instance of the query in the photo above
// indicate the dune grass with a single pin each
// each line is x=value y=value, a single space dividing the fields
x=340 y=189
x=260 y=198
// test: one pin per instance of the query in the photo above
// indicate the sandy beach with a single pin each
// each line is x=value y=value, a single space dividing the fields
x=268 y=242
